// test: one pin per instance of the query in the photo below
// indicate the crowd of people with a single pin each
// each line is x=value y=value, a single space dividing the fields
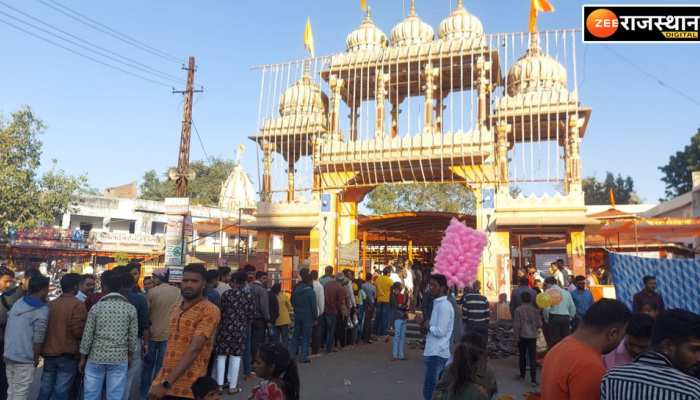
x=164 y=341
x=198 y=337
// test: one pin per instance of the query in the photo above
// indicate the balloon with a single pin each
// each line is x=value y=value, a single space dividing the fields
x=543 y=300
x=554 y=296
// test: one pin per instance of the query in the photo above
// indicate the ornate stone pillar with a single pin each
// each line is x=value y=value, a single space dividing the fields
x=290 y=180
x=502 y=145
x=395 y=117
x=430 y=74
x=266 y=195
x=574 y=157
x=354 y=118
x=380 y=95
x=484 y=87
x=439 y=110
x=336 y=85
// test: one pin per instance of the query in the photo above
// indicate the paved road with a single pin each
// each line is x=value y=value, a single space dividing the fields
x=366 y=372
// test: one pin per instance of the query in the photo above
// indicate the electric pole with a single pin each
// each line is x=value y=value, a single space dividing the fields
x=182 y=175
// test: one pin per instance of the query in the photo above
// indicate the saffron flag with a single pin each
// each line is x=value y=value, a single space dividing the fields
x=535 y=7
x=309 y=38
x=612 y=198
x=363 y=5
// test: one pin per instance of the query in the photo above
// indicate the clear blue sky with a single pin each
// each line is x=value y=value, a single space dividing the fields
x=114 y=127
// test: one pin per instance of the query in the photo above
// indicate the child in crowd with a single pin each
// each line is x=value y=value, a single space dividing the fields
x=467 y=377
x=279 y=373
x=206 y=388
x=526 y=326
x=399 y=309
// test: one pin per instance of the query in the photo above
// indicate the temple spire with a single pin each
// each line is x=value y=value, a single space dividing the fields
x=412 y=10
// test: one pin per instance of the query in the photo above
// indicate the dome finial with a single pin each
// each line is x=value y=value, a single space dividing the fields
x=412 y=10
x=368 y=14
x=460 y=4
x=534 y=46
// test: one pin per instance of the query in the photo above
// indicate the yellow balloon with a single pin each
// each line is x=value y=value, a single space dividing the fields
x=543 y=300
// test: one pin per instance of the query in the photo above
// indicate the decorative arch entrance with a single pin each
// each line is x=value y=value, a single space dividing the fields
x=489 y=111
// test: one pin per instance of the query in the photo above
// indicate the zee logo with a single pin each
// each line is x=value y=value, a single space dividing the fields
x=602 y=23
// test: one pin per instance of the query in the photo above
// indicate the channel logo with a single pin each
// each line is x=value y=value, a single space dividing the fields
x=641 y=23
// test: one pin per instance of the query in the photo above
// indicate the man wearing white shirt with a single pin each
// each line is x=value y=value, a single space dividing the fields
x=437 y=345
x=320 y=302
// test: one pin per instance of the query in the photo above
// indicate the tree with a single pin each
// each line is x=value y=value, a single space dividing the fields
x=446 y=197
x=678 y=172
x=204 y=189
x=598 y=193
x=27 y=199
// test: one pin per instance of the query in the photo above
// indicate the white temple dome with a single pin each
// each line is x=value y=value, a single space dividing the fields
x=536 y=72
x=412 y=30
x=367 y=36
x=461 y=25
x=303 y=97
x=237 y=192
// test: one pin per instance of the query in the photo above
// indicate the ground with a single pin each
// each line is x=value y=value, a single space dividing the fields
x=366 y=372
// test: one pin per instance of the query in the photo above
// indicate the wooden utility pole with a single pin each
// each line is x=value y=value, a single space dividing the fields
x=183 y=174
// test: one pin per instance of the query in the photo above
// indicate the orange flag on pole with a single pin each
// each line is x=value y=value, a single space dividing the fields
x=363 y=5
x=612 y=198
x=537 y=6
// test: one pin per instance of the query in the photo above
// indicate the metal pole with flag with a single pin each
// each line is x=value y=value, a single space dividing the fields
x=537 y=6
x=309 y=38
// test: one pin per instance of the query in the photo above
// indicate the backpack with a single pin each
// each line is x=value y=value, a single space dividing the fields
x=274 y=307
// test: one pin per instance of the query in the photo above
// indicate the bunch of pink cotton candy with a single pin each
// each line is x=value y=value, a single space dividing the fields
x=459 y=254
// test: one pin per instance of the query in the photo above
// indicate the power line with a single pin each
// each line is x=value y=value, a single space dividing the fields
x=98 y=26
x=102 y=51
x=201 y=143
x=654 y=77
x=84 y=55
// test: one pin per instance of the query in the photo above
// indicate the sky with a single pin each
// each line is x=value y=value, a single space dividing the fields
x=113 y=126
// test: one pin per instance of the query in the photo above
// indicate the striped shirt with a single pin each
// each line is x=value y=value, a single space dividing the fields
x=475 y=308
x=651 y=376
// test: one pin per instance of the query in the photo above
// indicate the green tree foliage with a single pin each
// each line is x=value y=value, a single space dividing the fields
x=678 y=171
x=204 y=189
x=598 y=193
x=28 y=199
x=444 y=197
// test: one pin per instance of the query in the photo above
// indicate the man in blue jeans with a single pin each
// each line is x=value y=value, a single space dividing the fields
x=111 y=334
x=61 y=350
x=437 y=345
x=305 y=314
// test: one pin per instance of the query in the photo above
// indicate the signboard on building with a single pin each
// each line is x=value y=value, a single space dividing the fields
x=349 y=254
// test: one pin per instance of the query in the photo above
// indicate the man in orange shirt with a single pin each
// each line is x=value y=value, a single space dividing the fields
x=193 y=325
x=574 y=368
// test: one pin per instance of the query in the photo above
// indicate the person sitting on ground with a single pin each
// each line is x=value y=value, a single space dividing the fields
x=467 y=377
x=637 y=340
x=526 y=326
x=664 y=371
x=279 y=373
x=205 y=388
x=573 y=369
